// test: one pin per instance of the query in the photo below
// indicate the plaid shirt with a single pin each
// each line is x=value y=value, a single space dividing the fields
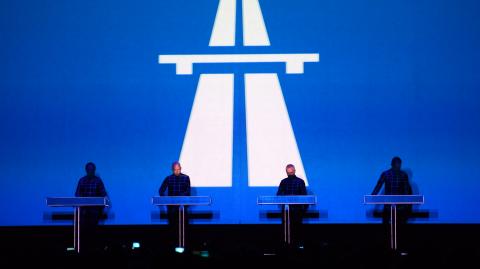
x=176 y=185
x=90 y=187
x=396 y=183
x=292 y=185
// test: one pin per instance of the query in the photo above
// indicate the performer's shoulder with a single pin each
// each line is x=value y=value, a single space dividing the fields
x=301 y=179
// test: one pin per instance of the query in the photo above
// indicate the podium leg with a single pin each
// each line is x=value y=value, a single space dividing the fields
x=393 y=227
x=286 y=225
x=76 y=229
x=181 y=226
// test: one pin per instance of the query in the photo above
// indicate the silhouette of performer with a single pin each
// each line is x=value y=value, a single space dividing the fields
x=396 y=183
x=293 y=185
x=176 y=184
x=90 y=186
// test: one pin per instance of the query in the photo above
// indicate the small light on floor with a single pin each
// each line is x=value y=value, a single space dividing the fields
x=179 y=249
x=135 y=245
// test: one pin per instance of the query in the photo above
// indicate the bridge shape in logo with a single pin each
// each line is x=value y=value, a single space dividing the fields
x=271 y=142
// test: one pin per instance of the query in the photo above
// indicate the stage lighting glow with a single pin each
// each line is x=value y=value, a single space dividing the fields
x=135 y=245
x=179 y=249
x=202 y=253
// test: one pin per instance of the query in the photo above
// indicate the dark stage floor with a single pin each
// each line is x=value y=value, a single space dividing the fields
x=325 y=246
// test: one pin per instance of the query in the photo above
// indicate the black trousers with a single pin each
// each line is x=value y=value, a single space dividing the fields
x=89 y=219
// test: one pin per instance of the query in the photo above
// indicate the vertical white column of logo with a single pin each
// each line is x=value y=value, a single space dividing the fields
x=209 y=138
x=254 y=29
x=271 y=142
x=208 y=142
x=223 y=32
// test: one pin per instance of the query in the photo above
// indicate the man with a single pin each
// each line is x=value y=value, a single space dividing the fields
x=293 y=185
x=176 y=184
x=90 y=186
x=396 y=183
x=395 y=180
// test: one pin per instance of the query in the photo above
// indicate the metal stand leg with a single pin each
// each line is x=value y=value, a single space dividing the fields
x=76 y=229
x=393 y=227
x=181 y=227
x=286 y=224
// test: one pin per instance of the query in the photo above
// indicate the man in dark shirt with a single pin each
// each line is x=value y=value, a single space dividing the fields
x=396 y=183
x=176 y=184
x=395 y=180
x=293 y=185
x=90 y=186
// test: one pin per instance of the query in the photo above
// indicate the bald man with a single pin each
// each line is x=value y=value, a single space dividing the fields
x=176 y=184
x=293 y=185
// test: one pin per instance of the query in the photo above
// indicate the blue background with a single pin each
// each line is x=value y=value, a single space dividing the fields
x=79 y=81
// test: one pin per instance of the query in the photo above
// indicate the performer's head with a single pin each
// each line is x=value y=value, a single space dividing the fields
x=176 y=168
x=396 y=163
x=290 y=169
x=90 y=169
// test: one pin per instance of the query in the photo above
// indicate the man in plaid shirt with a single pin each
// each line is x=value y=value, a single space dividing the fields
x=293 y=185
x=395 y=180
x=176 y=184
x=90 y=186
x=396 y=183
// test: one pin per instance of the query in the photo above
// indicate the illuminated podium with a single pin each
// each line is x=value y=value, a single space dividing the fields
x=181 y=202
x=287 y=201
x=77 y=203
x=393 y=201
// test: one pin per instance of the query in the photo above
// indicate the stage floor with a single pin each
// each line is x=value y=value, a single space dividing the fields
x=324 y=246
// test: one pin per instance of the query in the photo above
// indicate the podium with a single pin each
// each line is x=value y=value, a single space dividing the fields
x=181 y=202
x=287 y=200
x=77 y=203
x=393 y=201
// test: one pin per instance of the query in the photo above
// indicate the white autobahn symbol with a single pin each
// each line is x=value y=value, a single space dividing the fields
x=208 y=140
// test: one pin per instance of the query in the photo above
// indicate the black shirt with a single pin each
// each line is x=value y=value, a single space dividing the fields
x=176 y=185
x=292 y=185
x=396 y=183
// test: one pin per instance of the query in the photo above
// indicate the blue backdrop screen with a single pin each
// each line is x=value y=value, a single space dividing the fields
x=81 y=81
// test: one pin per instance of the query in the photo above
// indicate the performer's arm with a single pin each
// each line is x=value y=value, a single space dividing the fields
x=101 y=189
x=77 y=192
x=378 y=187
x=409 y=187
x=303 y=189
x=188 y=188
x=281 y=188
x=163 y=187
